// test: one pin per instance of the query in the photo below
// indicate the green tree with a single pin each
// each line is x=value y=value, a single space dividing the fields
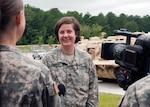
x=111 y=22
x=122 y=20
x=86 y=19
x=50 y=18
x=86 y=31
x=51 y=40
x=131 y=26
x=22 y=41
x=77 y=15
x=40 y=40
x=34 y=23
x=145 y=23
x=95 y=30
x=101 y=19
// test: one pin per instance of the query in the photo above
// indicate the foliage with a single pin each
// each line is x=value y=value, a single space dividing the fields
x=41 y=23
x=95 y=30
x=131 y=26
x=85 y=31
x=109 y=100
x=51 y=40
x=40 y=40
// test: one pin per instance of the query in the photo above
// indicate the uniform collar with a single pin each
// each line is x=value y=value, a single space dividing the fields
x=62 y=59
x=8 y=48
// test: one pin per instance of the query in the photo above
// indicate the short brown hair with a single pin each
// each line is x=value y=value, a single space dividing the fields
x=68 y=20
x=8 y=9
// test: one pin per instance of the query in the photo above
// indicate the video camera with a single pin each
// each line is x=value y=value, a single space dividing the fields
x=134 y=59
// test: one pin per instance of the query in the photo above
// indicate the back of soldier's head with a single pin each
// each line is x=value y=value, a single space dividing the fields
x=9 y=8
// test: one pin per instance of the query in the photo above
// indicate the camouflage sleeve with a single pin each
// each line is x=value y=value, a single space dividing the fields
x=93 y=87
x=44 y=60
x=49 y=95
x=129 y=99
x=48 y=81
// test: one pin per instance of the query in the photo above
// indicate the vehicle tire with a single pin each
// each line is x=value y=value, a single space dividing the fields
x=33 y=57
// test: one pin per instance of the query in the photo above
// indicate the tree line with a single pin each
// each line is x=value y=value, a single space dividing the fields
x=40 y=24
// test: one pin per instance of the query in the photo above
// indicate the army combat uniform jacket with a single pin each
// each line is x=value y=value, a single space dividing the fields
x=78 y=76
x=138 y=94
x=23 y=82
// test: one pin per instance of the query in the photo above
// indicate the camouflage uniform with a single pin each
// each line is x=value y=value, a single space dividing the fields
x=138 y=94
x=23 y=82
x=78 y=76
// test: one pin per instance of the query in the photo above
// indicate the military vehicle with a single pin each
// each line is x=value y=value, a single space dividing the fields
x=105 y=68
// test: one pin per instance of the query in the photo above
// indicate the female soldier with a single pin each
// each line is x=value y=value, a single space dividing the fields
x=72 y=67
x=23 y=83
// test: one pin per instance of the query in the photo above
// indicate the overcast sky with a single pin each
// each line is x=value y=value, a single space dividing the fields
x=94 y=7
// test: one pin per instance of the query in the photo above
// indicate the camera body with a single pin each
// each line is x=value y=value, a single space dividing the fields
x=134 y=60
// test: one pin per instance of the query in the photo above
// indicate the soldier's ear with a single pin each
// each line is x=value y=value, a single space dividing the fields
x=18 y=17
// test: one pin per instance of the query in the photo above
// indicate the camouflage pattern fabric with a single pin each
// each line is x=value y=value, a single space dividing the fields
x=138 y=94
x=23 y=82
x=78 y=76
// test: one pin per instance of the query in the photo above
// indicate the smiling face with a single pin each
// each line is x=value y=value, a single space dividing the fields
x=66 y=35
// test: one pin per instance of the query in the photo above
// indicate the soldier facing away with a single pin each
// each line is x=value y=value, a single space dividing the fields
x=138 y=94
x=23 y=82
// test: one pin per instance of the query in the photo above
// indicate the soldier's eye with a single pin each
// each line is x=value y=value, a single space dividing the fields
x=61 y=32
x=69 y=31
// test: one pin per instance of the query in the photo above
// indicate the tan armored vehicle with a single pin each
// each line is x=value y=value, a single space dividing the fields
x=105 y=68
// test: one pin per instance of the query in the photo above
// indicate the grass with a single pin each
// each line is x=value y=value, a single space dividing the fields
x=32 y=47
x=23 y=47
x=109 y=100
